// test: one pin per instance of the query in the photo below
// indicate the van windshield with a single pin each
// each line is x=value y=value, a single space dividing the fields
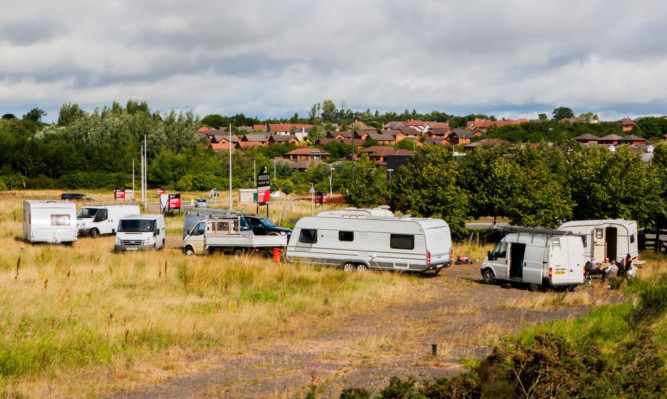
x=136 y=226
x=85 y=213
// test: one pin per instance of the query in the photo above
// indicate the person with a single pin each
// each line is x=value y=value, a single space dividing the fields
x=625 y=268
x=612 y=269
x=596 y=269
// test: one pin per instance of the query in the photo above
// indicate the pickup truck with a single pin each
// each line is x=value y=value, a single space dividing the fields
x=226 y=234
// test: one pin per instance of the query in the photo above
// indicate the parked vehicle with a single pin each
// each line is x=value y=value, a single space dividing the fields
x=75 y=197
x=537 y=257
x=201 y=203
x=103 y=219
x=613 y=239
x=227 y=231
x=263 y=226
x=140 y=232
x=371 y=239
x=49 y=221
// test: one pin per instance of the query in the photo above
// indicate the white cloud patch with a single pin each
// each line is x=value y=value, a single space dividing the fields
x=271 y=59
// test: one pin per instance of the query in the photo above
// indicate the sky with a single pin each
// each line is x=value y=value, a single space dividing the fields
x=271 y=59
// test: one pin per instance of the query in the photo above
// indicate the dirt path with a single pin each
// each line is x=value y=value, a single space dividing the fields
x=366 y=350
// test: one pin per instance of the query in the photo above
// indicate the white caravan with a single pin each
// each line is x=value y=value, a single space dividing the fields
x=537 y=257
x=613 y=239
x=49 y=221
x=140 y=232
x=103 y=219
x=226 y=231
x=371 y=239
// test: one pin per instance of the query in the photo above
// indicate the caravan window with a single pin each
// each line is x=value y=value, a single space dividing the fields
x=59 y=220
x=599 y=233
x=346 y=236
x=632 y=239
x=402 y=241
x=308 y=236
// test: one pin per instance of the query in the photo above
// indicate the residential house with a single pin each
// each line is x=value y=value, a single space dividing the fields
x=409 y=131
x=627 y=124
x=438 y=140
x=286 y=128
x=253 y=140
x=381 y=138
x=259 y=128
x=438 y=132
x=483 y=143
x=631 y=139
x=587 y=138
x=573 y=120
x=283 y=138
x=610 y=139
x=392 y=125
x=460 y=136
x=378 y=153
x=221 y=141
x=395 y=133
x=307 y=154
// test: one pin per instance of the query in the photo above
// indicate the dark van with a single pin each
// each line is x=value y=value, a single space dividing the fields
x=75 y=197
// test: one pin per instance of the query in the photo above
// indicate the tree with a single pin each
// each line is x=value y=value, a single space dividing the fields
x=34 y=115
x=589 y=116
x=316 y=132
x=428 y=186
x=562 y=113
x=329 y=111
x=8 y=116
x=69 y=113
x=215 y=121
x=542 y=117
x=369 y=187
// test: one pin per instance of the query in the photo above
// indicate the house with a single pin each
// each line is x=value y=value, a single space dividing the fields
x=339 y=135
x=483 y=143
x=283 y=138
x=483 y=124
x=395 y=133
x=392 y=125
x=286 y=128
x=610 y=139
x=245 y=129
x=438 y=140
x=460 y=136
x=587 y=138
x=632 y=139
x=627 y=124
x=221 y=141
x=438 y=132
x=417 y=125
x=573 y=120
x=378 y=153
x=409 y=131
x=381 y=138
x=259 y=128
x=307 y=154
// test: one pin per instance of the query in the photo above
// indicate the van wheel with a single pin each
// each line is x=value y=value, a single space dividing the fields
x=238 y=252
x=348 y=267
x=361 y=268
x=533 y=287
x=489 y=277
x=189 y=251
x=94 y=233
x=163 y=243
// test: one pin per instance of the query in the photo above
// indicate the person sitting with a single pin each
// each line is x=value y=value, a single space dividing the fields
x=625 y=267
x=595 y=269
x=612 y=269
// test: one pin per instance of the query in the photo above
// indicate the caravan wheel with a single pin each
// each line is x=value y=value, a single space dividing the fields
x=348 y=267
x=238 y=252
x=361 y=268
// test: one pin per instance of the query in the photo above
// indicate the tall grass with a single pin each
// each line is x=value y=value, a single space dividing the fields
x=66 y=309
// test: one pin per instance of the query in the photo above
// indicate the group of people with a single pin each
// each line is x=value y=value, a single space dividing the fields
x=615 y=268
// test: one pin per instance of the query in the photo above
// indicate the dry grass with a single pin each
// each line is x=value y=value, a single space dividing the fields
x=83 y=313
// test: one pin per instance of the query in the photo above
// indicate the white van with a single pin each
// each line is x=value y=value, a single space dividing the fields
x=140 y=232
x=537 y=257
x=371 y=239
x=49 y=221
x=613 y=239
x=102 y=219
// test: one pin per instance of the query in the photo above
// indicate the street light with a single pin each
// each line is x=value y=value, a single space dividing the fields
x=312 y=200
x=230 y=166
x=331 y=169
x=390 y=170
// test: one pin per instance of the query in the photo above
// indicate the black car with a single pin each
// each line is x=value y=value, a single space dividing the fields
x=263 y=226
x=75 y=196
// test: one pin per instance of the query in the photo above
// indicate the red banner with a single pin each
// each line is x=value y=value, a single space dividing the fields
x=263 y=196
x=159 y=191
x=119 y=194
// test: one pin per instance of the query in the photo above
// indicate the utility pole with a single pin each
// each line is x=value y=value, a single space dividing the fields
x=254 y=171
x=230 y=166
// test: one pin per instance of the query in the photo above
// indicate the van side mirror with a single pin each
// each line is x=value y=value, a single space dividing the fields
x=488 y=255
x=155 y=233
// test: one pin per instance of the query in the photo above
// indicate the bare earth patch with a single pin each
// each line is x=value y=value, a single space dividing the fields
x=463 y=318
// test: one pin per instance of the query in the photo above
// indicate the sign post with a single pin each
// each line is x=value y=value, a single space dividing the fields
x=263 y=189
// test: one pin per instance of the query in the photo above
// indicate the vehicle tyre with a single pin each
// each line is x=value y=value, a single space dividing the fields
x=94 y=233
x=163 y=244
x=238 y=252
x=361 y=268
x=348 y=267
x=189 y=251
x=533 y=287
x=489 y=276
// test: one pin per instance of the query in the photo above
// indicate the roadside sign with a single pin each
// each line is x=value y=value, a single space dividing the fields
x=159 y=191
x=119 y=194
x=320 y=198
x=263 y=187
x=175 y=201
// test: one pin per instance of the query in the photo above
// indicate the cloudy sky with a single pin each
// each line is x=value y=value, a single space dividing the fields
x=510 y=58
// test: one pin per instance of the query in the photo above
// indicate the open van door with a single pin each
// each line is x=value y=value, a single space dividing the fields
x=599 y=244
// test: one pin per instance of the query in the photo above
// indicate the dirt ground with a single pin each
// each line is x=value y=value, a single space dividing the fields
x=462 y=317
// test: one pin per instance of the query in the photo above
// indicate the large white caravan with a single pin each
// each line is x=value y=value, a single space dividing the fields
x=371 y=239
x=103 y=218
x=49 y=221
x=613 y=239
x=537 y=257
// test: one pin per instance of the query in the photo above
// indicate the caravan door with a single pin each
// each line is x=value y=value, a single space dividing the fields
x=599 y=244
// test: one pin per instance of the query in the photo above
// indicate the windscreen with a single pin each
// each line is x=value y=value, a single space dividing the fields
x=136 y=226
x=268 y=223
x=87 y=213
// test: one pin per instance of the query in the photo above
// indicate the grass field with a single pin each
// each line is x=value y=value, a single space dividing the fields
x=82 y=312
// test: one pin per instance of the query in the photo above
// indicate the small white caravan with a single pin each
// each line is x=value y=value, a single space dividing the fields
x=103 y=218
x=537 y=257
x=49 y=221
x=140 y=232
x=371 y=239
x=613 y=239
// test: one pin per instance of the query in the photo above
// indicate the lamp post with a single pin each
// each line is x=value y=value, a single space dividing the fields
x=331 y=169
x=390 y=170
x=312 y=200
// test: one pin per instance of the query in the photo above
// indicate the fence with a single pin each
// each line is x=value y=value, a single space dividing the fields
x=653 y=240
